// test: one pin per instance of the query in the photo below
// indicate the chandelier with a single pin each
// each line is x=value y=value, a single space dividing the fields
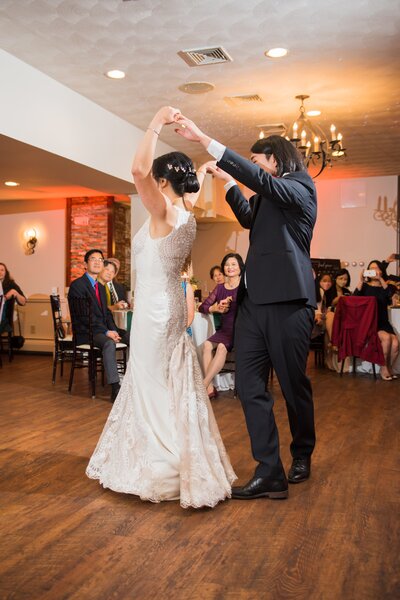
x=318 y=152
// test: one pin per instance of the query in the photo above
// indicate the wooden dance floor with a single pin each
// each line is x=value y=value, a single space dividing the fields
x=64 y=537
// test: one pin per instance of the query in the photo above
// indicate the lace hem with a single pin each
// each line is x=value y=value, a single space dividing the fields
x=122 y=459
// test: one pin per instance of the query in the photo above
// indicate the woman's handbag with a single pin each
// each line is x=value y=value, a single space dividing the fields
x=17 y=341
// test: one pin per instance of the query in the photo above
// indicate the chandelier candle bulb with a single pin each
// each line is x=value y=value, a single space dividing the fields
x=340 y=138
x=316 y=144
x=303 y=138
x=308 y=148
x=295 y=128
x=333 y=133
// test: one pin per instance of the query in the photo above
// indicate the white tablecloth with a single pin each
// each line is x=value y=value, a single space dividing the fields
x=366 y=367
x=121 y=318
x=394 y=317
x=202 y=328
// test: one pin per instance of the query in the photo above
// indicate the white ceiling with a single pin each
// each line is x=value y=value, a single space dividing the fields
x=344 y=54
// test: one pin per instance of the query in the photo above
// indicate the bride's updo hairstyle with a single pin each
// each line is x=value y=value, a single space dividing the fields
x=177 y=168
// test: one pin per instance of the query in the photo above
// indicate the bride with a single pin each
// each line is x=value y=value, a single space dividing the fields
x=161 y=440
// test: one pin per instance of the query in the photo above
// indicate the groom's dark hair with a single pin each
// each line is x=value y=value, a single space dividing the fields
x=288 y=158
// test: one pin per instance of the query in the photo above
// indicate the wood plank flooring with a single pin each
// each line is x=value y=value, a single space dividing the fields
x=65 y=537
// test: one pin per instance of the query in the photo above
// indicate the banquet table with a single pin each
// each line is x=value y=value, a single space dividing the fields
x=366 y=367
x=202 y=328
x=394 y=317
x=123 y=318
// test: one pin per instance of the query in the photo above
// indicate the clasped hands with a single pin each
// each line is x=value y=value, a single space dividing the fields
x=191 y=132
x=223 y=305
x=114 y=335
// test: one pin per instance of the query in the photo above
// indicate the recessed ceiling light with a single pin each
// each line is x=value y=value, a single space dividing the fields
x=115 y=74
x=313 y=113
x=196 y=87
x=11 y=183
x=276 y=52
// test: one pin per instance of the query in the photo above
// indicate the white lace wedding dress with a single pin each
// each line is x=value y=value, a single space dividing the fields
x=161 y=440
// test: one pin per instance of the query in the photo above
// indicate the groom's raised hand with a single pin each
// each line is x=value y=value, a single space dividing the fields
x=218 y=173
x=190 y=131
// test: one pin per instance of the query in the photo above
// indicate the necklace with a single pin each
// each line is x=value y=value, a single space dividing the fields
x=231 y=285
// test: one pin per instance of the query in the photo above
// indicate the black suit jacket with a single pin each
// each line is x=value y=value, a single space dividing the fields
x=281 y=217
x=102 y=318
x=121 y=291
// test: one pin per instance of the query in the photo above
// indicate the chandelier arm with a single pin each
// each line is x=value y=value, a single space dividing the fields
x=323 y=163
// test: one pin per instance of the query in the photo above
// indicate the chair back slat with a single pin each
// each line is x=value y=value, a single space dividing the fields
x=81 y=317
x=58 y=325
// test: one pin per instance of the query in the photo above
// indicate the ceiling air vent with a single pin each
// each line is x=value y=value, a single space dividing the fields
x=244 y=99
x=199 y=57
x=273 y=129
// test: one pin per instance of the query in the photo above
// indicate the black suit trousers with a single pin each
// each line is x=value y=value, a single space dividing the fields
x=276 y=335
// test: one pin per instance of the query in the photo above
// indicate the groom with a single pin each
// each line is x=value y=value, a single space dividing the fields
x=276 y=312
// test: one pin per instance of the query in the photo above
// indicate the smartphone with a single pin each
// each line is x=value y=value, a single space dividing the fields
x=369 y=273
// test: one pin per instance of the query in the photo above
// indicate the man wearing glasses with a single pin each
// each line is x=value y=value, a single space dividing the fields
x=105 y=333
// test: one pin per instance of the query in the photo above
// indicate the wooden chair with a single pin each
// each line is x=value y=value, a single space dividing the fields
x=6 y=336
x=356 y=323
x=230 y=367
x=317 y=344
x=63 y=346
x=88 y=356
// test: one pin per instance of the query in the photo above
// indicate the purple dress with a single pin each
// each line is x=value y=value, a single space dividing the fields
x=224 y=335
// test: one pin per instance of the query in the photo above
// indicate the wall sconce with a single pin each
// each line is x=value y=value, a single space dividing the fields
x=31 y=241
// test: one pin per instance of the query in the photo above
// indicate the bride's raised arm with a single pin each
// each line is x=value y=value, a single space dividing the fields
x=201 y=172
x=145 y=184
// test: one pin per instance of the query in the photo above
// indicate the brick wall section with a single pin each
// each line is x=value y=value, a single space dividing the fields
x=122 y=241
x=89 y=229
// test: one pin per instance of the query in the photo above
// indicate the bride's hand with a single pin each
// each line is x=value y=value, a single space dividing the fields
x=218 y=173
x=167 y=115
x=204 y=168
x=188 y=129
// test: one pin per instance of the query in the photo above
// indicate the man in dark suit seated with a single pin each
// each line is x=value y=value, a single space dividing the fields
x=105 y=333
x=115 y=291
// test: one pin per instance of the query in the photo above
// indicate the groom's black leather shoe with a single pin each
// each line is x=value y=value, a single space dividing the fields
x=300 y=470
x=261 y=487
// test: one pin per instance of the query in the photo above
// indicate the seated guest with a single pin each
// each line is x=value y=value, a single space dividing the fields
x=385 y=264
x=339 y=288
x=189 y=293
x=221 y=300
x=217 y=275
x=323 y=283
x=105 y=333
x=9 y=289
x=115 y=292
x=190 y=303
x=376 y=286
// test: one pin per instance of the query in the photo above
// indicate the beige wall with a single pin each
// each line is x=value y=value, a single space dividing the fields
x=350 y=234
x=213 y=241
x=45 y=269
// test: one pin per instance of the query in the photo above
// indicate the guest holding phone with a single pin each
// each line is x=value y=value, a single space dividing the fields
x=372 y=283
